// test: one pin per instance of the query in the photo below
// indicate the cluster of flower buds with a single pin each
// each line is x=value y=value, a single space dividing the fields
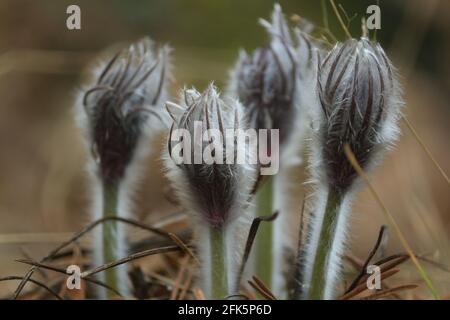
x=351 y=93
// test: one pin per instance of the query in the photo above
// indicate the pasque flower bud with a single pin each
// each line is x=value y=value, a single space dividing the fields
x=274 y=84
x=266 y=80
x=214 y=191
x=359 y=99
x=124 y=93
x=358 y=105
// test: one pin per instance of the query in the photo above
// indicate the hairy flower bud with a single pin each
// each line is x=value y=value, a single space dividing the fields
x=265 y=81
x=359 y=99
x=358 y=105
x=275 y=85
x=214 y=191
x=124 y=92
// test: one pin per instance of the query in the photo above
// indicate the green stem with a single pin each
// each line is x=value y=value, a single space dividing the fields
x=327 y=234
x=219 y=275
x=264 y=247
x=110 y=199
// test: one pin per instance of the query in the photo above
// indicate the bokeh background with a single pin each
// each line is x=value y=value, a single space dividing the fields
x=42 y=176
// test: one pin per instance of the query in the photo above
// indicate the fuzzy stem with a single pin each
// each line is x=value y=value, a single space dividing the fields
x=322 y=254
x=264 y=245
x=110 y=245
x=219 y=275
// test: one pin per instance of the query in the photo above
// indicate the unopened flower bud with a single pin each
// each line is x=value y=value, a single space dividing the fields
x=123 y=93
x=213 y=191
x=265 y=81
x=359 y=101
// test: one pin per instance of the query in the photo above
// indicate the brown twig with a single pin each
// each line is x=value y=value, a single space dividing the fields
x=38 y=283
x=369 y=258
x=132 y=257
x=86 y=275
x=183 y=247
x=62 y=271
x=79 y=235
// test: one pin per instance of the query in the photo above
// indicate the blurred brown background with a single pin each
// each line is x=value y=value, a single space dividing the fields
x=42 y=177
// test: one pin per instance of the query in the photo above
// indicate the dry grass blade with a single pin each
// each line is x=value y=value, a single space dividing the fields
x=249 y=243
x=26 y=255
x=132 y=257
x=361 y=287
x=156 y=241
x=391 y=258
x=369 y=258
x=388 y=292
x=85 y=275
x=62 y=271
x=187 y=284
x=42 y=265
x=162 y=279
x=393 y=263
x=38 y=283
x=174 y=293
x=387 y=270
x=351 y=157
x=435 y=264
x=259 y=290
x=198 y=294
x=394 y=294
x=263 y=286
x=355 y=262
x=77 y=236
x=425 y=148
x=248 y=292
x=338 y=15
x=184 y=247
